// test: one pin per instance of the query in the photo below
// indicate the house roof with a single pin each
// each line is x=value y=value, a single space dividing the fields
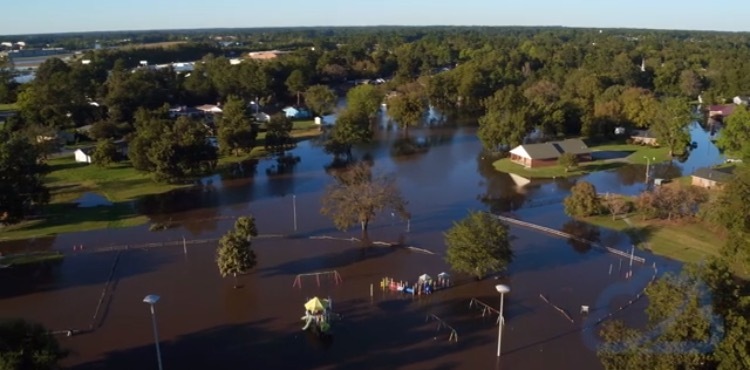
x=552 y=149
x=715 y=174
x=646 y=134
x=86 y=150
x=723 y=110
x=208 y=108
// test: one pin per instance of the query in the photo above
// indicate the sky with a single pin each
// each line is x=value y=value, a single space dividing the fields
x=51 y=16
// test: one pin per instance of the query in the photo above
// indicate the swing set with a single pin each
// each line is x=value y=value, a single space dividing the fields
x=333 y=274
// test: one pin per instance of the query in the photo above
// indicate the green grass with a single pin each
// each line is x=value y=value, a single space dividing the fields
x=30 y=258
x=120 y=184
x=631 y=154
x=683 y=241
x=7 y=107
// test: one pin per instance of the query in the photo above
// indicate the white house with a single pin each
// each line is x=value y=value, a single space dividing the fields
x=209 y=108
x=741 y=100
x=292 y=112
x=83 y=155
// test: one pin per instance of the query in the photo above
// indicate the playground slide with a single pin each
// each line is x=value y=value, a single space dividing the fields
x=309 y=321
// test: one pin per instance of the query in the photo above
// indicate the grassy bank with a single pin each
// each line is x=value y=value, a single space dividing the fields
x=606 y=157
x=684 y=241
x=30 y=258
x=119 y=184
x=7 y=107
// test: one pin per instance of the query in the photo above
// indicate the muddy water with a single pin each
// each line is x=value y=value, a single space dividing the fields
x=204 y=322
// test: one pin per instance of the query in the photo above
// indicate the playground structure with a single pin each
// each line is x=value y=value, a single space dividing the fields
x=425 y=284
x=486 y=309
x=318 y=315
x=332 y=274
x=442 y=324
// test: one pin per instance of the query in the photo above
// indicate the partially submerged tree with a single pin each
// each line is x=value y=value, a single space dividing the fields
x=279 y=132
x=479 y=244
x=351 y=128
x=21 y=178
x=358 y=195
x=234 y=255
x=582 y=201
x=320 y=99
x=407 y=109
x=25 y=345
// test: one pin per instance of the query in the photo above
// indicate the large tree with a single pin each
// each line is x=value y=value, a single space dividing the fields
x=735 y=136
x=28 y=346
x=507 y=121
x=479 y=244
x=235 y=255
x=671 y=124
x=321 y=99
x=365 y=100
x=21 y=178
x=583 y=200
x=407 y=109
x=352 y=127
x=278 y=132
x=358 y=195
x=236 y=133
x=105 y=153
x=296 y=83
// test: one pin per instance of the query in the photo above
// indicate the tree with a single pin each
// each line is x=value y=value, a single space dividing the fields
x=671 y=124
x=352 y=127
x=616 y=204
x=478 y=244
x=639 y=106
x=583 y=200
x=735 y=136
x=236 y=133
x=364 y=100
x=278 y=131
x=234 y=255
x=733 y=213
x=568 y=161
x=358 y=195
x=21 y=178
x=105 y=153
x=407 y=109
x=28 y=346
x=690 y=83
x=296 y=83
x=321 y=99
x=507 y=121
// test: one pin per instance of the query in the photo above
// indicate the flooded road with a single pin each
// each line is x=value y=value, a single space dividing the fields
x=205 y=323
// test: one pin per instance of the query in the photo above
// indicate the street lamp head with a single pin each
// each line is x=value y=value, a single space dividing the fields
x=151 y=299
x=502 y=289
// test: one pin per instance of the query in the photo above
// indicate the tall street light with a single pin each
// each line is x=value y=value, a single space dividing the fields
x=294 y=209
x=502 y=289
x=151 y=299
x=648 y=165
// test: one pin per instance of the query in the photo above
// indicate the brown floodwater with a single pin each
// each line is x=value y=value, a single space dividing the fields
x=204 y=323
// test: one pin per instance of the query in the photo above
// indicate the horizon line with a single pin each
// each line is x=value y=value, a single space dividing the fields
x=371 y=26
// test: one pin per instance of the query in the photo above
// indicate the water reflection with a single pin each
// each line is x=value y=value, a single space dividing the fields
x=582 y=231
x=164 y=208
x=501 y=192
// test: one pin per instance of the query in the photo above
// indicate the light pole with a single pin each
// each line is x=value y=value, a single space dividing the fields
x=151 y=299
x=294 y=210
x=502 y=289
x=648 y=165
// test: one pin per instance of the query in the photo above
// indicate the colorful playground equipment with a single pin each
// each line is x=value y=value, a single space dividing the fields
x=425 y=284
x=318 y=315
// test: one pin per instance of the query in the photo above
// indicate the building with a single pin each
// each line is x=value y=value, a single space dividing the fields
x=645 y=137
x=741 y=100
x=297 y=113
x=547 y=154
x=266 y=55
x=721 y=110
x=711 y=177
x=83 y=155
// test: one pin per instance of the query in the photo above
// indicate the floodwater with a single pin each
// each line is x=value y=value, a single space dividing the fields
x=204 y=323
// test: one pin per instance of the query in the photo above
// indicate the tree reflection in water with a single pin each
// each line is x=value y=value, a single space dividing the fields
x=583 y=231
x=502 y=194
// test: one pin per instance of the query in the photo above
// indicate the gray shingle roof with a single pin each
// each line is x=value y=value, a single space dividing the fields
x=554 y=149
x=715 y=174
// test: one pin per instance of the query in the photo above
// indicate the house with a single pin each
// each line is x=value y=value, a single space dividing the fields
x=741 y=100
x=297 y=113
x=721 y=110
x=644 y=137
x=184 y=111
x=209 y=108
x=547 y=154
x=266 y=55
x=711 y=177
x=83 y=155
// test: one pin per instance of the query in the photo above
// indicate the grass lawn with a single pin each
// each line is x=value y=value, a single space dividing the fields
x=119 y=184
x=6 y=107
x=683 y=241
x=30 y=258
x=612 y=156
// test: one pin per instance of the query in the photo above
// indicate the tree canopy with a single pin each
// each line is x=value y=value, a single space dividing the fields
x=22 y=187
x=479 y=244
x=583 y=200
x=235 y=255
x=28 y=346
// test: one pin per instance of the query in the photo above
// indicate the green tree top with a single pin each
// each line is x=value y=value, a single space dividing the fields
x=321 y=99
x=583 y=200
x=479 y=244
x=25 y=345
x=735 y=136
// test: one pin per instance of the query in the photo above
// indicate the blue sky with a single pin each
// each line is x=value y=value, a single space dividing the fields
x=45 y=16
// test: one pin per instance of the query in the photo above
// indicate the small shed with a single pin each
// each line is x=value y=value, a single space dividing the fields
x=83 y=155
